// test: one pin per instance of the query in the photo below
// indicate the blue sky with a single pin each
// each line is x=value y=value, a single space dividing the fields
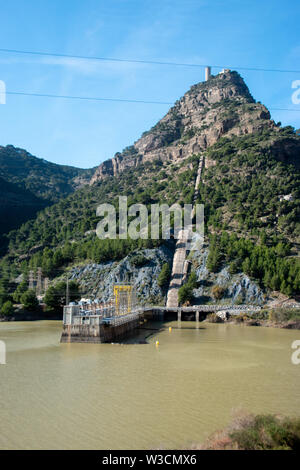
x=262 y=33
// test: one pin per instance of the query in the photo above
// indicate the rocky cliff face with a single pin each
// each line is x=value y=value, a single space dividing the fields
x=98 y=279
x=222 y=106
x=237 y=288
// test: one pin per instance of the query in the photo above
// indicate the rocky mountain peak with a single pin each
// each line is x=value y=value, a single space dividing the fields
x=220 y=106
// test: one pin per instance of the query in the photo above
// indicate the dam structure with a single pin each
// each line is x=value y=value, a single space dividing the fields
x=93 y=322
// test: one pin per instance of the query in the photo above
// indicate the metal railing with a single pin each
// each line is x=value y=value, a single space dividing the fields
x=120 y=320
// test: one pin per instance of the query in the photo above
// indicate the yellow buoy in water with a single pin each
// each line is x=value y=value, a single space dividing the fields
x=157 y=343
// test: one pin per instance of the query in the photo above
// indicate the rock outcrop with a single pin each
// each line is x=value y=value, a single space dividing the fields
x=238 y=288
x=98 y=279
x=222 y=106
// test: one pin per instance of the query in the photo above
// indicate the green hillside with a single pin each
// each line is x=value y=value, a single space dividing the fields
x=16 y=206
x=72 y=221
x=249 y=187
x=44 y=179
x=33 y=182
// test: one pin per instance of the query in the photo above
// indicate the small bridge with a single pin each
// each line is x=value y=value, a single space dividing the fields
x=197 y=310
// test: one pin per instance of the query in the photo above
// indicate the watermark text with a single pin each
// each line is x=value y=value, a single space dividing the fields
x=157 y=222
x=295 y=358
x=296 y=93
x=2 y=92
x=2 y=352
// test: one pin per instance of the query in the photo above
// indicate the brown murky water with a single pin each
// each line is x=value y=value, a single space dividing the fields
x=138 y=395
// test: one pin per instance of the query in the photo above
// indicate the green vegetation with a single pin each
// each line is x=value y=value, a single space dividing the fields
x=262 y=262
x=260 y=432
x=283 y=315
x=64 y=233
x=17 y=205
x=29 y=184
x=139 y=260
x=7 y=309
x=29 y=300
x=95 y=250
x=4 y=296
x=217 y=292
x=185 y=293
x=164 y=276
x=262 y=315
x=242 y=192
x=45 y=180
x=55 y=297
x=268 y=432
x=252 y=229
x=251 y=226
x=22 y=287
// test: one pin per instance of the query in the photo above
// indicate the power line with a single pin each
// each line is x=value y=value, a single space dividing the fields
x=120 y=100
x=86 y=98
x=149 y=62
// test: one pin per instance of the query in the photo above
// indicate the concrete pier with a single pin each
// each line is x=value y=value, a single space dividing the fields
x=179 y=314
x=101 y=333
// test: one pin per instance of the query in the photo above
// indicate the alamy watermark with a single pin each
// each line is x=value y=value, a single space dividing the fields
x=2 y=352
x=295 y=358
x=162 y=221
x=2 y=92
x=296 y=93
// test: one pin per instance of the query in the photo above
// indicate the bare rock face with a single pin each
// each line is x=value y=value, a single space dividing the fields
x=222 y=106
x=98 y=279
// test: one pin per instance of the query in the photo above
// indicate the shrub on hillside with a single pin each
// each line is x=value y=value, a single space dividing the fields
x=217 y=292
x=260 y=432
x=185 y=293
x=164 y=276
x=55 y=297
x=139 y=260
x=22 y=287
x=283 y=315
x=29 y=300
x=268 y=432
x=7 y=309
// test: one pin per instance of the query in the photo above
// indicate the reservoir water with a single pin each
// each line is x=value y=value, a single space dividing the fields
x=140 y=396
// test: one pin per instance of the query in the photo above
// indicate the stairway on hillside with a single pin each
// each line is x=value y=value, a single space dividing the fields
x=179 y=268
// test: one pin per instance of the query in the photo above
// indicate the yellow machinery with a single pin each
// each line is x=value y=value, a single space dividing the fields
x=123 y=298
